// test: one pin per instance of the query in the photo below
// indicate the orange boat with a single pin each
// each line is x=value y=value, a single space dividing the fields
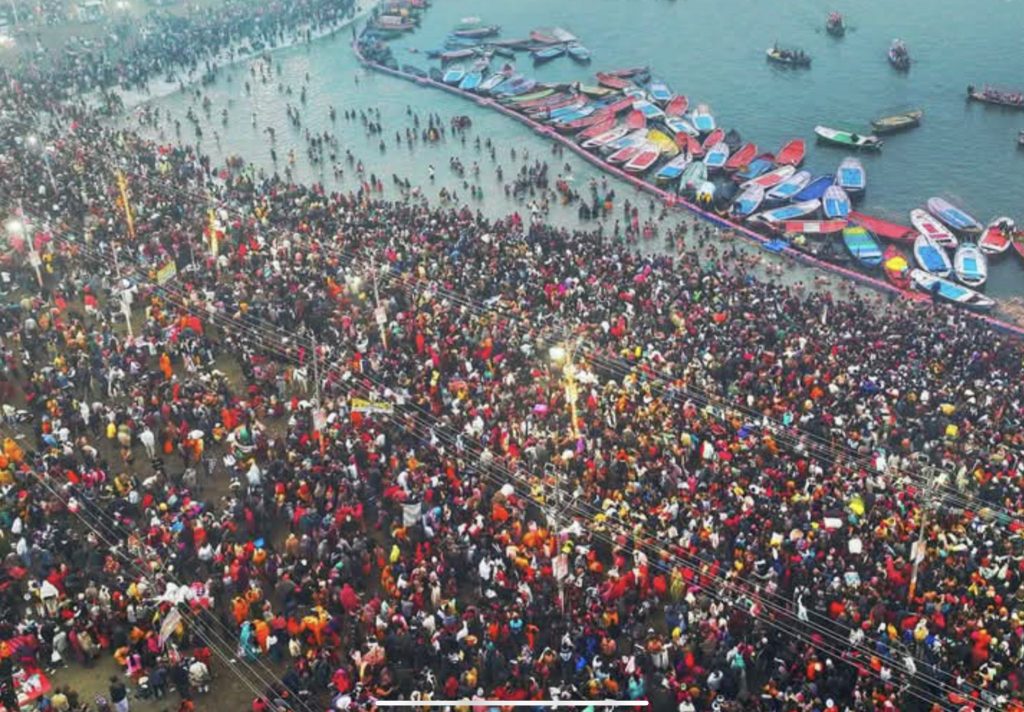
x=744 y=155
x=792 y=154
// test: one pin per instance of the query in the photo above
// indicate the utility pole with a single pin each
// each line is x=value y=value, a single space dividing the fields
x=122 y=187
x=918 y=549
x=379 y=313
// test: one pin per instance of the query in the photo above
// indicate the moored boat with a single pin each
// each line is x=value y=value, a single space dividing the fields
x=643 y=160
x=693 y=175
x=788 y=57
x=578 y=52
x=677 y=125
x=813 y=227
x=815 y=188
x=492 y=82
x=772 y=178
x=633 y=138
x=673 y=169
x=612 y=81
x=733 y=140
x=851 y=176
x=970 y=265
x=478 y=32
x=457 y=54
x=677 y=106
x=454 y=75
x=884 y=228
x=747 y=202
x=714 y=137
x=744 y=155
x=625 y=154
x=792 y=153
x=659 y=91
x=650 y=111
x=949 y=291
x=862 y=245
x=702 y=119
x=716 y=156
x=896 y=267
x=897 y=122
x=847 y=139
x=1010 y=98
x=778 y=217
x=931 y=257
x=998 y=236
x=546 y=54
x=786 y=189
x=899 y=57
x=613 y=133
x=926 y=224
x=952 y=216
x=835 y=203
x=760 y=165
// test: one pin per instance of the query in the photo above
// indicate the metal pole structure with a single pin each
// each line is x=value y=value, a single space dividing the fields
x=918 y=551
x=122 y=186
x=379 y=314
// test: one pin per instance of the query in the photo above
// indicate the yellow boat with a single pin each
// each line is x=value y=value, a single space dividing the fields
x=664 y=143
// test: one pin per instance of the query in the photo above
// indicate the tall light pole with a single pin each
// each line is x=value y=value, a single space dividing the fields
x=563 y=355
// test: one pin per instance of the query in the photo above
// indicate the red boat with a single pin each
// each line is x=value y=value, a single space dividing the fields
x=642 y=161
x=606 y=123
x=541 y=37
x=617 y=108
x=792 y=154
x=713 y=138
x=677 y=106
x=884 y=228
x=626 y=154
x=896 y=267
x=581 y=123
x=744 y=155
x=814 y=227
x=692 y=146
x=636 y=120
x=611 y=81
x=546 y=102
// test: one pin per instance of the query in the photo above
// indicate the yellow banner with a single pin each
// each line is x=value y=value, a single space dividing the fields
x=166 y=273
x=359 y=405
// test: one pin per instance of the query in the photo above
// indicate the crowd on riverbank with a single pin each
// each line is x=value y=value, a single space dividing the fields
x=541 y=464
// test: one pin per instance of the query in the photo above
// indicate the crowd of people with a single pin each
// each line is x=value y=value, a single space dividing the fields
x=349 y=448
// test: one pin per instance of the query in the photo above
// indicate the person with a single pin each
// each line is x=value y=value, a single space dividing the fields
x=118 y=695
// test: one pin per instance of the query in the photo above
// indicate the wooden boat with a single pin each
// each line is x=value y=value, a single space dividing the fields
x=776 y=218
x=716 y=136
x=716 y=156
x=862 y=245
x=693 y=175
x=673 y=169
x=582 y=122
x=526 y=94
x=650 y=111
x=899 y=57
x=578 y=52
x=454 y=75
x=897 y=122
x=519 y=86
x=633 y=138
x=772 y=178
x=746 y=153
x=822 y=248
x=747 y=202
x=951 y=292
x=792 y=154
x=629 y=72
x=896 y=267
x=546 y=54
x=492 y=82
x=607 y=137
x=952 y=216
x=692 y=146
x=851 y=176
x=786 y=189
x=702 y=119
x=847 y=139
x=596 y=129
x=543 y=37
x=457 y=54
x=815 y=189
x=998 y=236
x=788 y=57
x=594 y=90
x=760 y=165
x=659 y=91
x=636 y=120
x=540 y=106
x=677 y=106
x=884 y=228
x=478 y=32
x=835 y=203
x=834 y=24
x=931 y=257
x=678 y=125
x=1009 y=98
x=625 y=154
x=612 y=81
x=970 y=265
x=814 y=227
x=928 y=225
x=665 y=144
x=471 y=81
x=643 y=160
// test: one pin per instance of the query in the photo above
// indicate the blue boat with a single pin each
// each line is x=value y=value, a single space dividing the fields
x=673 y=169
x=578 y=113
x=931 y=257
x=835 y=203
x=677 y=125
x=492 y=82
x=649 y=110
x=815 y=189
x=761 y=164
x=578 y=52
x=702 y=119
x=516 y=87
x=659 y=91
x=950 y=291
x=788 y=188
x=471 y=81
x=851 y=176
x=748 y=201
x=776 y=216
x=547 y=53
x=454 y=75
x=863 y=246
x=453 y=42
x=717 y=156
x=953 y=216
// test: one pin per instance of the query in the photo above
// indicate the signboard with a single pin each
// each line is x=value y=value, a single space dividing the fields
x=166 y=272
x=360 y=405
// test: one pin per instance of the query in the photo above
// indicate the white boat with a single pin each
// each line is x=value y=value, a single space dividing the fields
x=772 y=178
x=970 y=265
x=702 y=119
x=851 y=176
x=849 y=139
x=612 y=134
x=748 y=201
x=634 y=138
x=789 y=187
x=928 y=225
x=950 y=291
x=677 y=125
x=717 y=156
x=931 y=257
x=998 y=236
x=775 y=217
x=835 y=203
x=673 y=169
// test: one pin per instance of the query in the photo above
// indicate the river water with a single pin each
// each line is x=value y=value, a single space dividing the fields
x=714 y=53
